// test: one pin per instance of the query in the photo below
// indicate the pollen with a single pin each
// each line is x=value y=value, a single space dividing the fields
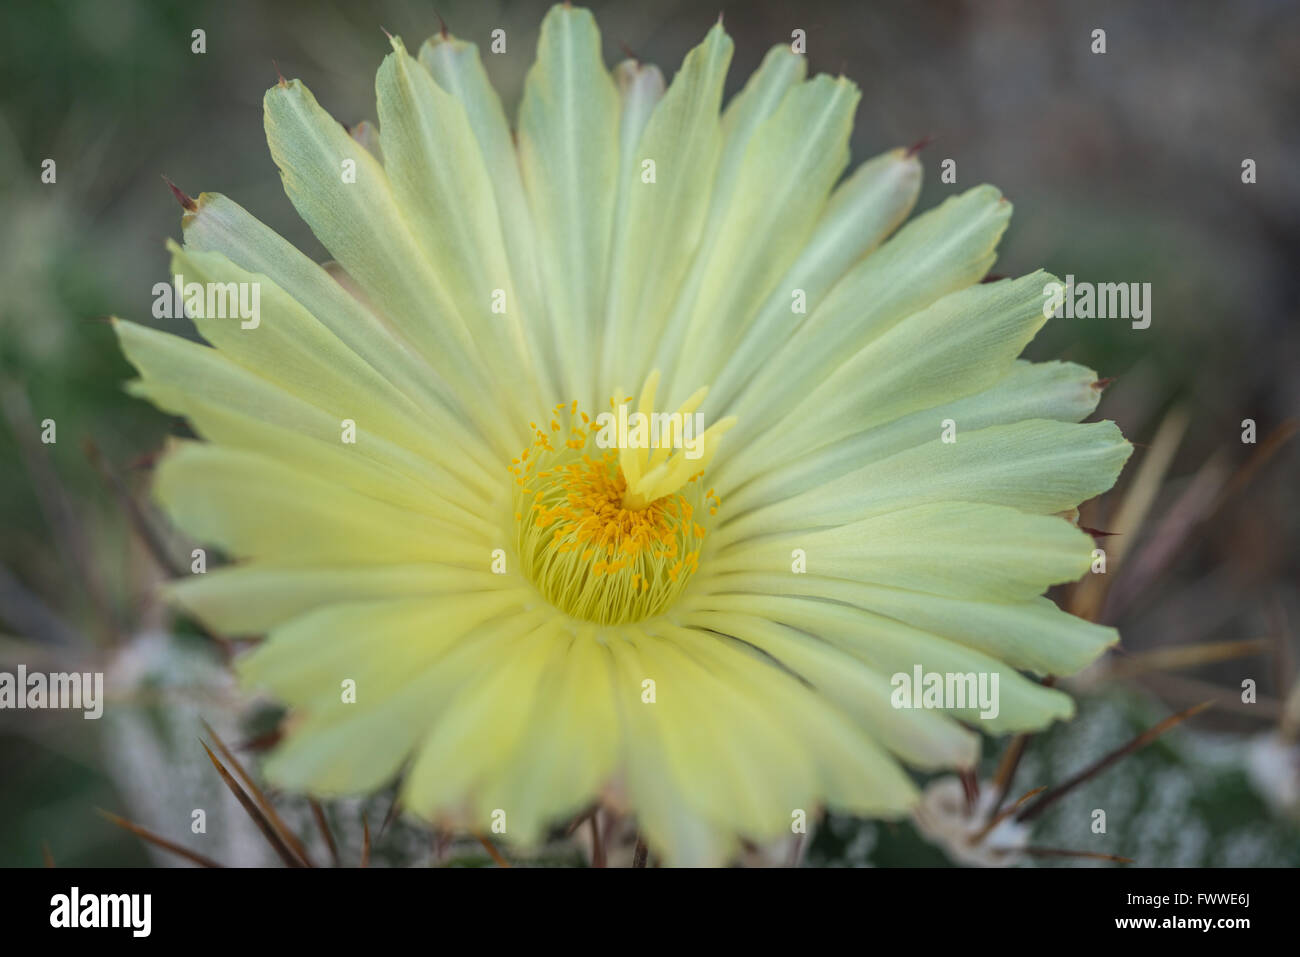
x=609 y=527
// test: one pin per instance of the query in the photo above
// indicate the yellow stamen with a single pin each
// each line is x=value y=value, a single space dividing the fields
x=604 y=545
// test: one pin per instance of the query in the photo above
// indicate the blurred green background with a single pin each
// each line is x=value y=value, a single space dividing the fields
x=1123 y=167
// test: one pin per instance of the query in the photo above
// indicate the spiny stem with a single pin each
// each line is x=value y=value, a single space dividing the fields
x=263 y=802
x=491 y=849
x=158 y=840
x=254 y=812
x=319 y=814
x=597 y=844
x=393 y=809
x=1143 y=739
x=970 y=787
x=1058 y=852
x=1006 y=771
x=1002 y=815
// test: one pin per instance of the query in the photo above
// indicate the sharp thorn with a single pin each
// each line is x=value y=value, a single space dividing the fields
x=187 y=202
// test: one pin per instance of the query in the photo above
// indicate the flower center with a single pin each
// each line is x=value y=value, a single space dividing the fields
x=610 y=520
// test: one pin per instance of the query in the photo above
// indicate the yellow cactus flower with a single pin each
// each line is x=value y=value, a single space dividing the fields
x=628 y=457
